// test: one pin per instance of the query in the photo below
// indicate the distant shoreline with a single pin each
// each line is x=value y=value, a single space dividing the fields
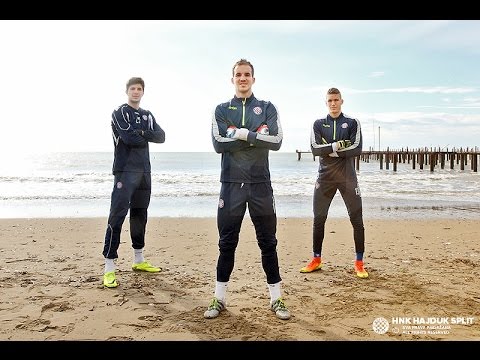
x=373 y=208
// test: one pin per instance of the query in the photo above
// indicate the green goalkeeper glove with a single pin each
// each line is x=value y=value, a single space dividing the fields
x=343 y=144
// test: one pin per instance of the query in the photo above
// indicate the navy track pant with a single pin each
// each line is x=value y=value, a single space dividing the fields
x=131 y=191
x=234 y=198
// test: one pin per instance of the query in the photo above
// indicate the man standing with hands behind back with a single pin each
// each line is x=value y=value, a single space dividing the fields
x=132 y=129
x=244 y=130
x=337 y=140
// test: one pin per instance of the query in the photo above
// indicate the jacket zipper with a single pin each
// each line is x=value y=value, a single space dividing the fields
x=334 y=129
x=243 y=111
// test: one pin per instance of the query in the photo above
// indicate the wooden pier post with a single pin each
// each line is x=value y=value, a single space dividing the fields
x=423 y=156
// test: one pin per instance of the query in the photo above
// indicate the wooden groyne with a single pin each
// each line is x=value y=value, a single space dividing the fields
x=423 y=157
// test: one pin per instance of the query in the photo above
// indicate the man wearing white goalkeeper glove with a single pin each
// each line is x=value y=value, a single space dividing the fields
x=246 y=184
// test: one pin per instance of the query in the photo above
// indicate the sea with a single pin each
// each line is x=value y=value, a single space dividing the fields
x=187 y=184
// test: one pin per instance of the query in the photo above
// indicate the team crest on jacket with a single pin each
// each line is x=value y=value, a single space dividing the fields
x=344 y=125
x=119 y=185
x=145 y=117
x=257 y=110
x=221 y=204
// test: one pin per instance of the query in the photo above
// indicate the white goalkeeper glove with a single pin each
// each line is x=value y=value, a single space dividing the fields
x=263 y=130
x=241 y=134
x=231 y=131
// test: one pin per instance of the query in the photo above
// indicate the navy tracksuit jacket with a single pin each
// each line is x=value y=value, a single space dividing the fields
x=132 y=130
x=245 y=178
x=336 y=173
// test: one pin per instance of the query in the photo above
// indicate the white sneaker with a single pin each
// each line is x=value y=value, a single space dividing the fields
x=214 y=308
x=280 y=309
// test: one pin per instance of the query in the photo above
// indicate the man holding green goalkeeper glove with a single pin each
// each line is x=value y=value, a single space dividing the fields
x=337 y=140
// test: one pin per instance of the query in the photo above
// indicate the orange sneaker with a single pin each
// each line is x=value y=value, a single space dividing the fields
x=361 y=272
x=314 y=265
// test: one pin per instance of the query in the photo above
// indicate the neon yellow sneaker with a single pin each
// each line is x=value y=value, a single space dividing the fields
x=109 y=280
x=361 y=272
x=314 y=265
x=145 y=266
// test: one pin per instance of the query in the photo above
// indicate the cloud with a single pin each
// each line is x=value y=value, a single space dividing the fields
x=375 y=74
x=418 y=89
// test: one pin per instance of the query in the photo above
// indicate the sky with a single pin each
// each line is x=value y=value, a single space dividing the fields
x=410 y=83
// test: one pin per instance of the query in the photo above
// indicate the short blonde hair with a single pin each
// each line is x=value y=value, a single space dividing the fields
x=242 y=62
x=333 y=91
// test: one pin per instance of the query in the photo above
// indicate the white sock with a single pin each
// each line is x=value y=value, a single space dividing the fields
x=138 y=256
x=109 y=265
x=274 y=292
x=221 y=290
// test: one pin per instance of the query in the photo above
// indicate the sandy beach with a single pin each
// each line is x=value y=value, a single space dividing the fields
x=424 y=281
